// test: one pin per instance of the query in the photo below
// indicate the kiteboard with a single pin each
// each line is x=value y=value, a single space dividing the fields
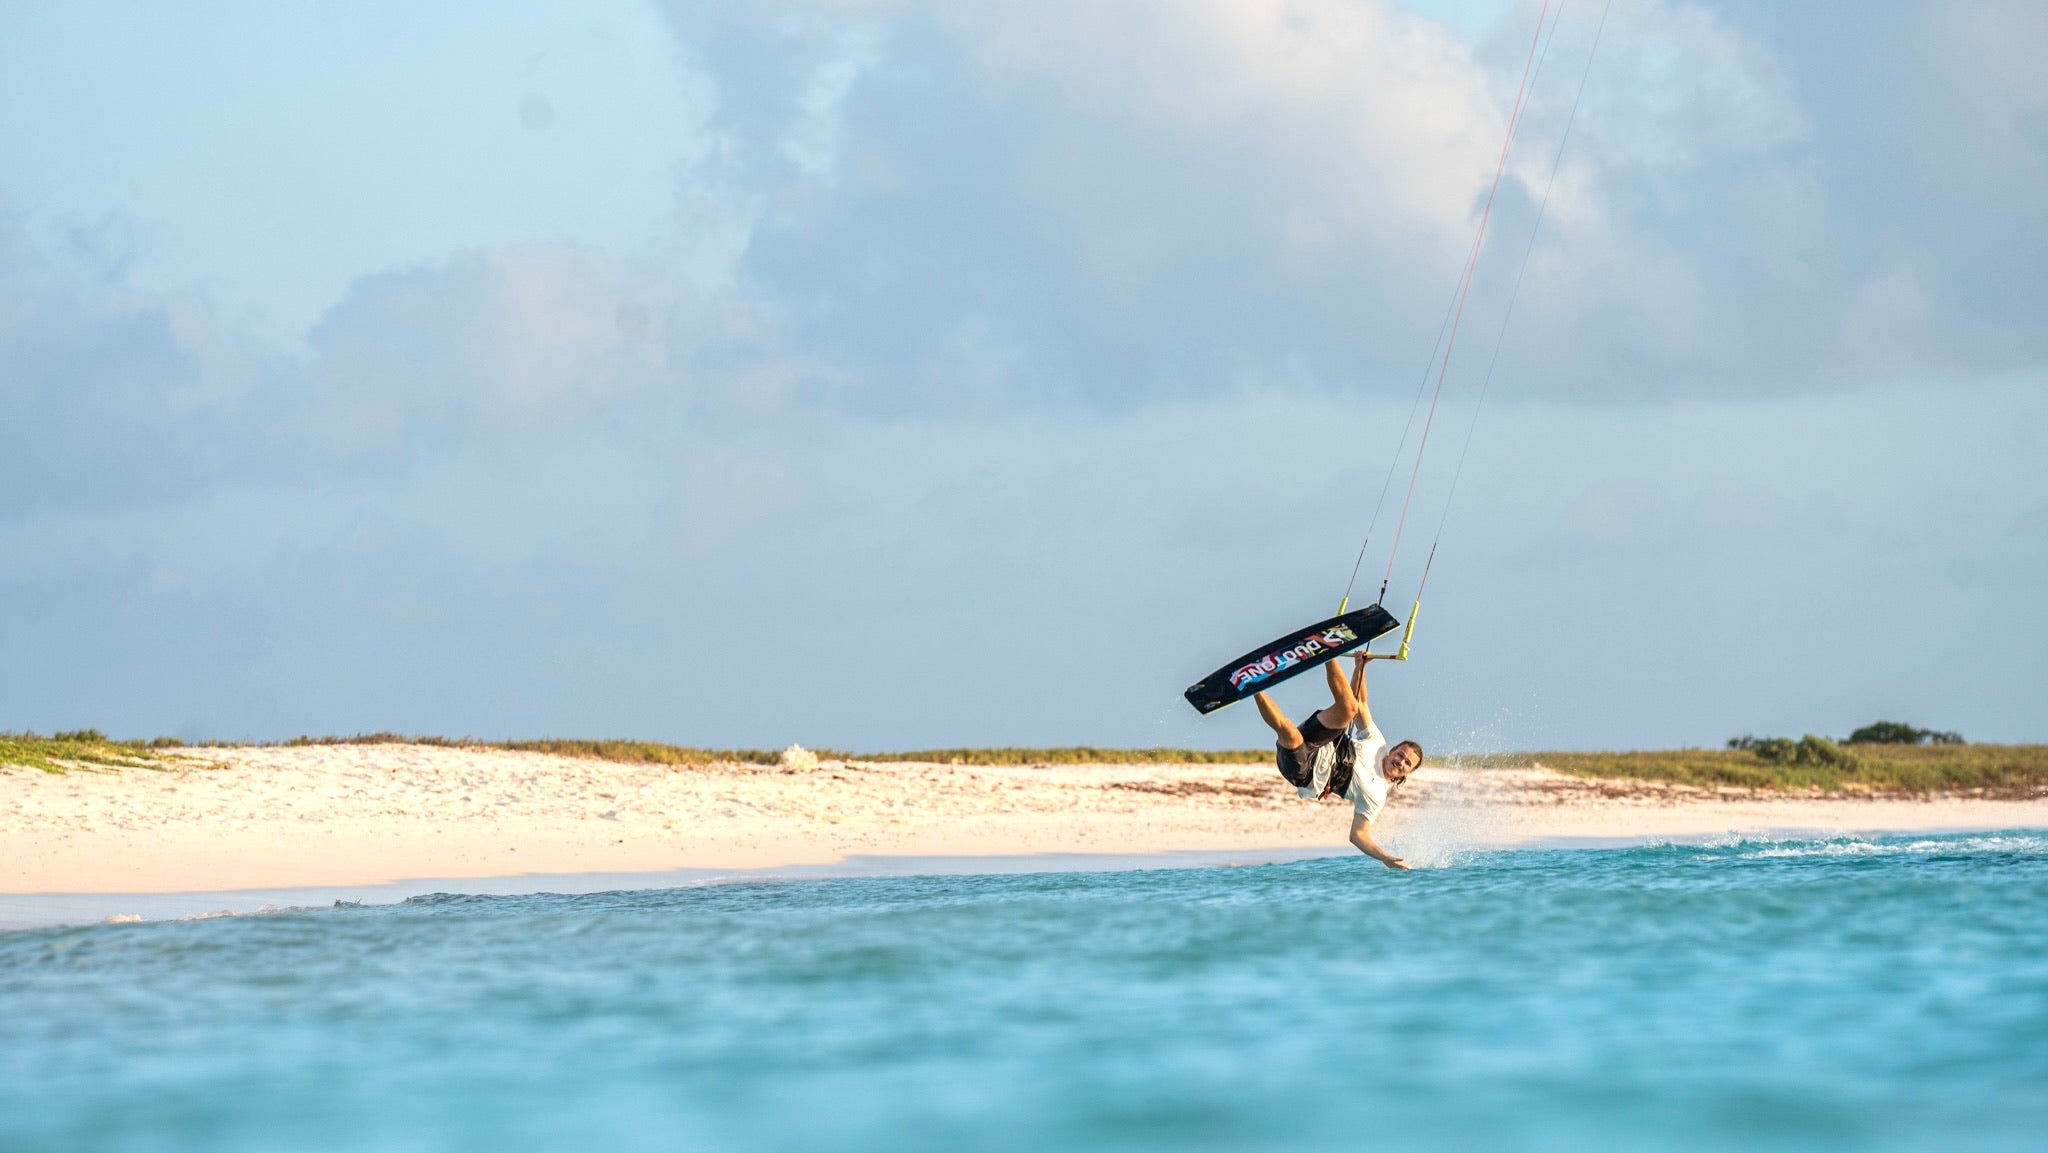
x=1295 y=653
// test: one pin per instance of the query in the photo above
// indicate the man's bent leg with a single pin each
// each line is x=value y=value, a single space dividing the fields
x=1290 y=737
x=1295 y=759
x=1343 y=706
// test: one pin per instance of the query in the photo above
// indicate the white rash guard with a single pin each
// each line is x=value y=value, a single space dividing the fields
x=1368 y=791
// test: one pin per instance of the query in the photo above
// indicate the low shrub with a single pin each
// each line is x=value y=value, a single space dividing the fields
x=1897 y=733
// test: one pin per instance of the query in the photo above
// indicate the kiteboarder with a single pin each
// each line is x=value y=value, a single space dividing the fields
x=1339 y=752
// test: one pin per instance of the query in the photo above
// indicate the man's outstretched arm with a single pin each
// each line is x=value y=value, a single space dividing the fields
x=1361 y=839
x=1358 y=662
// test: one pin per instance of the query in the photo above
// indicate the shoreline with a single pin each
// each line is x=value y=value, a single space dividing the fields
x=24 y=911
x=254 y=820
x=42 y=910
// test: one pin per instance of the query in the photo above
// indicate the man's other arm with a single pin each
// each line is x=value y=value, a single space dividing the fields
x=1361 y=839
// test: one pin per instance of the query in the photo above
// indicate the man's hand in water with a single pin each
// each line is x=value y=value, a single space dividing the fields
x=1361 y=839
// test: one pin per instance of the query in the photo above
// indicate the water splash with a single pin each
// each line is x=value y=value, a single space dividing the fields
x=1447 y=819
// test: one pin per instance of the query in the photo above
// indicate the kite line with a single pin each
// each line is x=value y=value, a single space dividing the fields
x=1500 y=338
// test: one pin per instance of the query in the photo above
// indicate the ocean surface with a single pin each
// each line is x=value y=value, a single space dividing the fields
x=1847 y=994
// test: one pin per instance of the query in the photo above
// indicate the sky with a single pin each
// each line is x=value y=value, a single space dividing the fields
x=876 y=374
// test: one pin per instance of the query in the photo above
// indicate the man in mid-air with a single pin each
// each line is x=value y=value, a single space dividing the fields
x=1340 y=752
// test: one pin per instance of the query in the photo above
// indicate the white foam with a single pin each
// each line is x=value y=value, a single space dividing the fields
x=1858 y=847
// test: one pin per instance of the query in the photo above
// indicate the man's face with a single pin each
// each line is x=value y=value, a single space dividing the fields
x=1401 y=762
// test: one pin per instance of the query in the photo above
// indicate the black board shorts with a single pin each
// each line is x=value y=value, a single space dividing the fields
x=1298 y=765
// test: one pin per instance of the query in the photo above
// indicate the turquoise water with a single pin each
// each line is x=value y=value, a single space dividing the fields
x=1883 y=994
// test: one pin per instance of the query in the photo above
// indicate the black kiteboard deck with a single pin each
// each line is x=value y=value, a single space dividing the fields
x=1297 y=652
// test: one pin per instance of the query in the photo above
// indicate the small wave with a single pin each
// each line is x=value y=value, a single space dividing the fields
x=2000 y=844
x=1759 y=848
x=265 y=911
x=451 y=899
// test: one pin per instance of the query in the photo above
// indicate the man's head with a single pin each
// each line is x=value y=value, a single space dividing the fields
x=1401 y=760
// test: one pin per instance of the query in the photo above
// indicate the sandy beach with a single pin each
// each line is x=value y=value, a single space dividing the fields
x=267 y=817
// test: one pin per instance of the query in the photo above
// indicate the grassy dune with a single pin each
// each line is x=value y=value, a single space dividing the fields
x=650 y=752
x=2004 y=770
x=53 y=754
x=89 y=749
x=625 y=752
x=2001 y=769
x=1074 y=755
x=84 y=749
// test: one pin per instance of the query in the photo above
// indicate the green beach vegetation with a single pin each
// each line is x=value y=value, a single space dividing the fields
x=655 y=753
x=2003 y=770
x=1896 y=733
x=1070 y=755
x=78 y=749
x=57 y=752
x=89 y=748
x=624 y=752
x=1889 y=758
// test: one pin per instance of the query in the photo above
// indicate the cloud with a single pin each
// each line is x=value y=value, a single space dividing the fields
x=1114 y=204
x=487 y=346
x=1070 y=328
x=1614 y=579
x=128 y=398
x=1929 y=145
x=105 y=394
x=1010 y=216
x=902 y=209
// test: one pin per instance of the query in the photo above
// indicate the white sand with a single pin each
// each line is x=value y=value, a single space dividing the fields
x=254 y=818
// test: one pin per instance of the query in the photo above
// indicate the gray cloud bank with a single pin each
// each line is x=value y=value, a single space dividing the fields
x=1061 y=336
x=910 y=209
x=1116 y=203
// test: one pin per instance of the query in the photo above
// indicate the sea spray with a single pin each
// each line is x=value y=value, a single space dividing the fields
x=1445 y=813
x=1451 y=807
